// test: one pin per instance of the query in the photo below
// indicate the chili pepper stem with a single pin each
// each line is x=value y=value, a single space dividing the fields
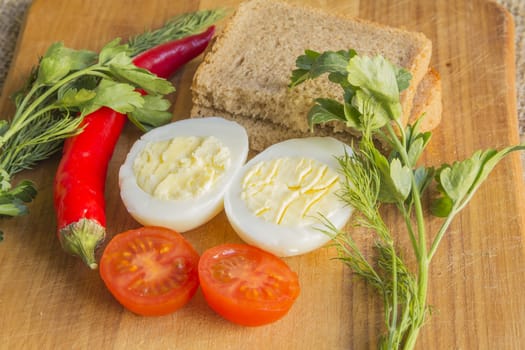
x=81 y=238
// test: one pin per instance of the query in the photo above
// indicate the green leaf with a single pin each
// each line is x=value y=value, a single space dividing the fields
x=395 y=178
x=415 y=149
x=304 y=64
x=142 y=79
x=490 y=158
x=325 y=110
x=307 y=60
x=330 y=62
x=79 y=59
x=400 y=176
x=416 y=143
x=456 y=179
x=423 y=177
x=388 y=190
x=403 y=78
x=313 y=64
x=341 y=80
x=114 y=52
x=53 y=65
x=118 y=96
x=87 y=82
x=374 y=116
x=352 y=116
x=377 y=77
x=122 y=59
x=74 y=97
x=463 y=178
x=153 y=114
x=298 y=76
x=59 y=61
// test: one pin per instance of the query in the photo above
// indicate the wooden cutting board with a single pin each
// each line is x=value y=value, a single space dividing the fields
x=50 y=300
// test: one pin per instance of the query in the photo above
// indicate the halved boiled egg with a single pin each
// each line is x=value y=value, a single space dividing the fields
x=176 y=175
x=277 y=199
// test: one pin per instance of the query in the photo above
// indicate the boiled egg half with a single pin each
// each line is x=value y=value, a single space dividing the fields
x=276 y=201
x=176 y=175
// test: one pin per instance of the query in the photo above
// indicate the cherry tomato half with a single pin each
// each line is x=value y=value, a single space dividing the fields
x=247 y=285
x=150 y=270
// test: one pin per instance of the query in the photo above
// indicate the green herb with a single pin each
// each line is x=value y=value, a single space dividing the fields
x=371 y=105
x=69 y=84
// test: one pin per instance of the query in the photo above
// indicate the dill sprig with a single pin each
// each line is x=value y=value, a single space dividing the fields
x=371 y=106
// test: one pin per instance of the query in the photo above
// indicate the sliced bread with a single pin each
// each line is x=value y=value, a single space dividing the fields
x=263 y=132
x=248 y=68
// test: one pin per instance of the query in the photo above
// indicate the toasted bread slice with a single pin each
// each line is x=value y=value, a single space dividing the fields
x=248 y=69
x=263 y=132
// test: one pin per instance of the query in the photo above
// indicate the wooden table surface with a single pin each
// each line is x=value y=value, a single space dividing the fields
x=50 y=300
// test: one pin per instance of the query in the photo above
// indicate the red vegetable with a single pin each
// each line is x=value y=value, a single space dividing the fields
x=247 y=285
x=165 y=59
x=80 y=182
x=81 y=175
x=150 y=270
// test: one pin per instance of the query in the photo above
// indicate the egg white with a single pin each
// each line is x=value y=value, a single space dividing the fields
x=185 y=214
x=279 y=239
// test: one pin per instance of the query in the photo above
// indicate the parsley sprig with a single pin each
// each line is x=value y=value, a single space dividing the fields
x=68 y=84
x=371 y=105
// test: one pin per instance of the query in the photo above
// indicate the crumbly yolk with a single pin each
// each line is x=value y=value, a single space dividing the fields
x=291 y=191
x=181 y=168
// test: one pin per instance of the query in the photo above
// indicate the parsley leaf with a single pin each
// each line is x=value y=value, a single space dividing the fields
x=153 y=113
x=58 y=61
x=120 y=97
x=141 y=77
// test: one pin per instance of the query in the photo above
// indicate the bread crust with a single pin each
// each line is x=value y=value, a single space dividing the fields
x=428 y=102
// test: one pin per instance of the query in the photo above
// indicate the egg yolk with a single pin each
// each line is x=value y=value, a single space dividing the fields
x=291 y=191
x=181 y=168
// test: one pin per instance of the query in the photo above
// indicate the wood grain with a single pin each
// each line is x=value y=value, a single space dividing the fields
x=50 y=300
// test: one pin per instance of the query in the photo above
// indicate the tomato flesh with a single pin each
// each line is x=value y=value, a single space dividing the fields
x=247 y=285
x=150 y=270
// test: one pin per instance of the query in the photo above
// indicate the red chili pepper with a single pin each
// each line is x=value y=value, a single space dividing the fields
x=81 y=175
x=80 y=183
x=165 y=59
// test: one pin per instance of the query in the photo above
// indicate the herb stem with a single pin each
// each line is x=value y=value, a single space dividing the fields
x=441 y=233
x=410 y=341
x=423 y=261
x=393 y=320
x=410 y=229
x=26 y=99
x=22 y=120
